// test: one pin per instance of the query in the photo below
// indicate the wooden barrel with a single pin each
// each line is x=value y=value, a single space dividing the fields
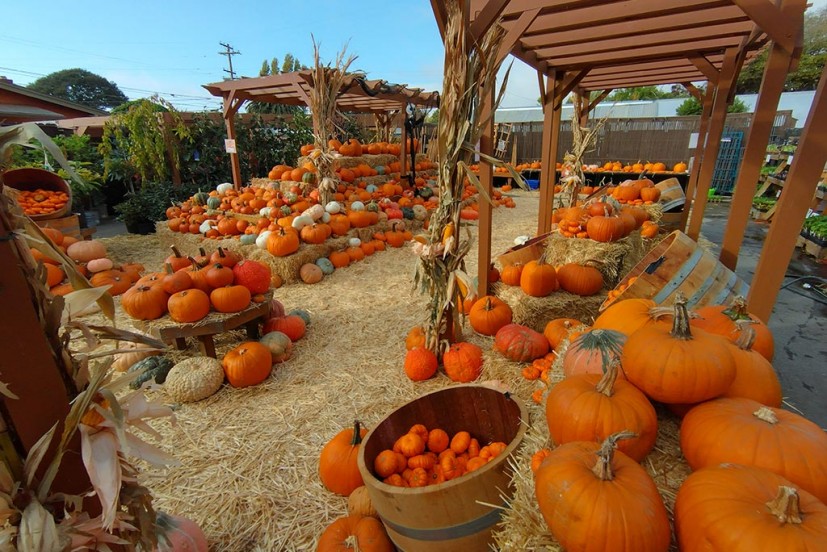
x=28 y=179
x=461 y=513
x=679 y=264
x=531 y=250
x=671 y=221
x=672 y=195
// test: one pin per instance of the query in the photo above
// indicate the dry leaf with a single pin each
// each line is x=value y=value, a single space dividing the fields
x=38 y=532
x=5 y=391
x=100 y=456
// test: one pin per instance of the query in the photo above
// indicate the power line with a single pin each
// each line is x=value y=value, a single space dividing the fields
x=230 y=52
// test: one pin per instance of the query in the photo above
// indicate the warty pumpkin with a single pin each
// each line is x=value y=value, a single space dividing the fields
x=415 y=338
x=338 y=466
x=489 y=314
x=743 y=431
x=253 y=275
x=463 y=362
x=594 y=498
x=678 y=365
x=248 y=364
x=519 y=343
x=420 y=364
x=360 y=504
x=194 y=378
x=591 y=407
x=762 y=511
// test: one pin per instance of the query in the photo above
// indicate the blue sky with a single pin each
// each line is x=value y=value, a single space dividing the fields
x=171 y=47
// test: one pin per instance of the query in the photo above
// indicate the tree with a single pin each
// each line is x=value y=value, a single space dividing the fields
x=637 y=93
x=812 y=62
x=80 y=86
x=692 y=106
x=289 y=65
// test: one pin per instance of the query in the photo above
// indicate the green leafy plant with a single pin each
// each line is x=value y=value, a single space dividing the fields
x=148 y=135
x=149 y=203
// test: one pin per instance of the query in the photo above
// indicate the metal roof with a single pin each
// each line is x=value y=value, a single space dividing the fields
x=357 y=94
x=605 y=44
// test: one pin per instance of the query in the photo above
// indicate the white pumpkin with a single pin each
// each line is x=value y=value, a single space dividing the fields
x=333 y=207
x=354 y=242
x=520 y=240
x=206 y=226
x=223 y=188
x=370 y=188
x=261 y=240
x=357 y=206
x=315 y=212
x=326 y=217
x=301 y=221
x=265 y=212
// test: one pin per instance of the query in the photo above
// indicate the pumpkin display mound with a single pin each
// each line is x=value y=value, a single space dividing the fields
x=259 y=446
x=535 y=312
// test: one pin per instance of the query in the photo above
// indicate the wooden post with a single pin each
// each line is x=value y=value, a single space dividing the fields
x=698 y=154
x=772 y=84
x=176 y=172
x=31 y=372
x=800 y=185
x=551 y=137
x=487 y=183
x=231 y=106
x=713 y=142
x=403 y=170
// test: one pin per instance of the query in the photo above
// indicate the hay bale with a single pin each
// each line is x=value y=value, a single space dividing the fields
x=536 y=312
x=616 y=258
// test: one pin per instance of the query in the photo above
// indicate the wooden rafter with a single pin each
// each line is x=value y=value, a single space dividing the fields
x=781 y=28
x=516 y=31
x=487 y=16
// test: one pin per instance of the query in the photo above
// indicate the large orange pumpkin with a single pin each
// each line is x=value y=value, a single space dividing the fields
x=538 y=279
x=755 y=377
x=463 y=362
x=743 y=431
x=676 y=365
x=489 y=314
x=592 y=352
x=723 y=320
x=626 y=316
x=248 y=364
x=583 y=487
x=519 y=343
x=763 y=511
x=338 y=469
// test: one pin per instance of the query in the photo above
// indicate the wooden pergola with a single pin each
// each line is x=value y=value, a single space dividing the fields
x=600 y=45
x=357 y=94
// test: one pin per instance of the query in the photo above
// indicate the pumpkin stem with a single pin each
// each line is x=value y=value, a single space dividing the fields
x=202 y=252
x=357 y=433
x=746 y=334
x=603 y=468
x=680 y=325
x=221 y=252
x=785 y=506
x=195 y=265
x=488 y=305
x=766 y=414
x=738 y=309
x=175 y=251
x=168 y=268
x=607 y=382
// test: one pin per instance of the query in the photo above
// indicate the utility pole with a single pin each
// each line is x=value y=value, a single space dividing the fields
x=229 y=52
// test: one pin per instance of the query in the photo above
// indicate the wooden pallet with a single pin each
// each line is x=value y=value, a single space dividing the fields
x=170 y=331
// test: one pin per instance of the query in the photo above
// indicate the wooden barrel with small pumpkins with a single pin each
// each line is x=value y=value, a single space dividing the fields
x=31 y=179
x=459 y=514
x=529 y=251
x=672 y=195
x=679 y=264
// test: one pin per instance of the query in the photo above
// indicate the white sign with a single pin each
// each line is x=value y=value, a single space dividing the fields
x=229 y=145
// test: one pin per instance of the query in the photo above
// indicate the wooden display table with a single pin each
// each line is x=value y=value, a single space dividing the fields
x=215 y=323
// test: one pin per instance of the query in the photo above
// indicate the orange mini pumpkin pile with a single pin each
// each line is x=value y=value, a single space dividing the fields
x=422 y=457
x=42 y=202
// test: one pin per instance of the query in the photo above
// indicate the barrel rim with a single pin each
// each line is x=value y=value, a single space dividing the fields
x=441 y=487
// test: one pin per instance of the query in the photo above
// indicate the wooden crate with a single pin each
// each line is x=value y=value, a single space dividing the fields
x=70 y=225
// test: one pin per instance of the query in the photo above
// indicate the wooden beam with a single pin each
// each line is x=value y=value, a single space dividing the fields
x=548 y=153
x=679 y=62
x=704 y=66
x=772 y=85
x=780 y=27
x=515 y=33
x=567 y=85
x=629 y=81
x=485 y=18
x=698 y=154
x=693 y=91
x=610 y=58
x=713 y=142
x=541 y=82
x=801 y=182
x=599 y=98
x=229 y=122
x=487 y=183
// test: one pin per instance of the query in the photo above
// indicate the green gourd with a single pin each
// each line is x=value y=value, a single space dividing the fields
x=151 y=368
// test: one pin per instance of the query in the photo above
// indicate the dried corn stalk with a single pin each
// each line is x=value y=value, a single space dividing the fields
x=583 y=138
x=469 y=76
x=327 y=82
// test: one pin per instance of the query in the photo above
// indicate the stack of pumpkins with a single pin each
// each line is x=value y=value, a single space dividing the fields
x=761 y=465
x=636 y=192
x=600 y=221
x=90 y=261
x=539 y=279
x=191 y=287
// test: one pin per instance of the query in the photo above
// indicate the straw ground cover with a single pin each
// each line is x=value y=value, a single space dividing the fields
x=249 y=457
